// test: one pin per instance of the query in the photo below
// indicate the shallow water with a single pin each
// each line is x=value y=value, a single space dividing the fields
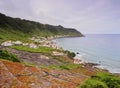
x=103 y=49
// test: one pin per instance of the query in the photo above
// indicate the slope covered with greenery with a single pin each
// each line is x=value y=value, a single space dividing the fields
x=8 y=56
x=102 y=80
x=11 y=28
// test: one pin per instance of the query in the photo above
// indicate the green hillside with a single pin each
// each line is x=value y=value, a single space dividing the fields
x=16 y=28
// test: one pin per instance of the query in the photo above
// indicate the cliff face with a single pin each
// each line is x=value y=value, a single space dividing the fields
x=31 y=27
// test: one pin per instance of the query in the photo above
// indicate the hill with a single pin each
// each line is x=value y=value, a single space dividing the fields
x=29 y=59
x=11 y=28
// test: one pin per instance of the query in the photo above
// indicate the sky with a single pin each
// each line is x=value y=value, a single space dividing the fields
x=87 y=16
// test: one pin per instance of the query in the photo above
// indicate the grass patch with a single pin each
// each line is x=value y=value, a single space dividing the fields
x=59 y=58
x=42 y=49
x=102 y=80
x=29 y=64
x=94 y=84
x=67 y=66
x=9 y=34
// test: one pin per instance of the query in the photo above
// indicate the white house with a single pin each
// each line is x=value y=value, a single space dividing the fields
x=78 y=61
x=25 y=44
x=17 y=43
x=58 y=53
x=33 y=46
x=7 y=43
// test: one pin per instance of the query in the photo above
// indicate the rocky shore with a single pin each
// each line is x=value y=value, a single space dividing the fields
x=14 y=74
x=46 y=71
x=42 y=59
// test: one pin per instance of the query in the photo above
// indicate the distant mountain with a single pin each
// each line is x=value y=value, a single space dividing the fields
x=20 y=26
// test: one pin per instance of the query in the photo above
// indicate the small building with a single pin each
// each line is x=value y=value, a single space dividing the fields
x=7 y=43
x=58 y=53
x=46 y=45
x=33 y=46
x=17 y=43
x=78 y=61
x=25 y=44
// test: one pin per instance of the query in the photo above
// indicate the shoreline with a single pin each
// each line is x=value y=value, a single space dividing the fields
x=53 y=42
x=87 y=63
x=97 y=65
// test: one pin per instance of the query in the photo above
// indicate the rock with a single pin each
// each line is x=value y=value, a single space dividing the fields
x=36 y=58
x=52 y=78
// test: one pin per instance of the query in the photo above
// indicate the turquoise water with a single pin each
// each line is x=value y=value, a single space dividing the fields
x=103 y=49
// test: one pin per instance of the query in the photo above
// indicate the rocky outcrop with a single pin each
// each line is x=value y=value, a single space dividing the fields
x=36 y=58
x=18 y=75
x=13 y=74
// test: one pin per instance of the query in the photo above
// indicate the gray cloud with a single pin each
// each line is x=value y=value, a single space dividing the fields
x=88 y=16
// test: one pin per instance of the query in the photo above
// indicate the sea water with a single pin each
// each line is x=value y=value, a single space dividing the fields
x=103 y=49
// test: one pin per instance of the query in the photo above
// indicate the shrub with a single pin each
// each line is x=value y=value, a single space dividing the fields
x=102 y=80
x=94 y=84
x=62 y=67
x=112 y=81
x=70 y=54
x=8 y=56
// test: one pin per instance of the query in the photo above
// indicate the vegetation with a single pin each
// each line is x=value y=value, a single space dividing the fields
x=8 y=56
x=47 y=51
x=94 y=84
x=26 y=63
x=16 y=28
x=42 y=49
x=67 y=66
x=102 y=80
x=9 y=34
x=70 y=54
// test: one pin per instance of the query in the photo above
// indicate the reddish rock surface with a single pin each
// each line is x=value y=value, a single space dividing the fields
x=17 y=75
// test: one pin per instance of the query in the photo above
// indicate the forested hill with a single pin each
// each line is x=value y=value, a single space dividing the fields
x=32 y=27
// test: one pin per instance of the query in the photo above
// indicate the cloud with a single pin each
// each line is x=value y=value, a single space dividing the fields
x=88 y=16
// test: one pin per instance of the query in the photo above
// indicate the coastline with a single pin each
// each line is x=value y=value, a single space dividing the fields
x=87 y=63
x=64 y=73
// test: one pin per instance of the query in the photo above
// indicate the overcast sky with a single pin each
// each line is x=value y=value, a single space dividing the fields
x=87 y=16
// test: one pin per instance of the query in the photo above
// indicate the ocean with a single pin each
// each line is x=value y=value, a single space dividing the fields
x=103 y=49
